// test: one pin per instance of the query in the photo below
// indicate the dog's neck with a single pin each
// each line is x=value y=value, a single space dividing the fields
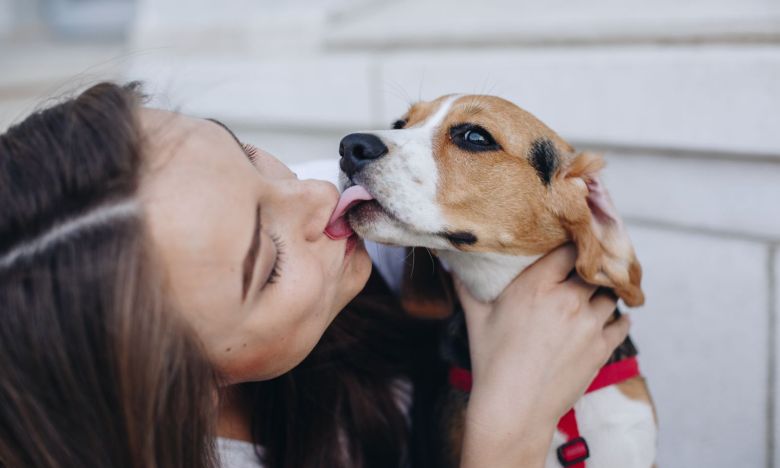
x=485 y=274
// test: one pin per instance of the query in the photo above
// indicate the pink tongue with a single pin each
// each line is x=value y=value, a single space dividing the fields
x=338 y=228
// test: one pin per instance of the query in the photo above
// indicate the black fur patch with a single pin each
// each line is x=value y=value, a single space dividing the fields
x=461 y=237
x=544 y=158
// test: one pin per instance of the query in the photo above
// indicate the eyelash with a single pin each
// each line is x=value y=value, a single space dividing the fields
x=276 y=271
x=250 y=151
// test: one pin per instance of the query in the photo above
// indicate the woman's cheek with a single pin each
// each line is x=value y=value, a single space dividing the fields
x=307 y=295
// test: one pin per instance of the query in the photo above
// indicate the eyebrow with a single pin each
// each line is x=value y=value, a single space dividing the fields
x=212 y=119
x=473 y=108
x=254 y=246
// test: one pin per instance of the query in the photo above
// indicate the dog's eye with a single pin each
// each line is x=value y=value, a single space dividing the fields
x=399 y=124
x=476 y=137
x=471 y=137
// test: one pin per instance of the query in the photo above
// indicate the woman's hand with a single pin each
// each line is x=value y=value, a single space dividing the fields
x=534 y=351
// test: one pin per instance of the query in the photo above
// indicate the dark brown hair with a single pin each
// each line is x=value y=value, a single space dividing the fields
x=97 y=370
x=365 y=397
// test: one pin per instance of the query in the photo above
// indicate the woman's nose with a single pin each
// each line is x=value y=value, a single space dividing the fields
x=316 y=200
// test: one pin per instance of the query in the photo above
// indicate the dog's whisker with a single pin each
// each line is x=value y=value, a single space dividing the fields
x=492 y=89
x=398 y=91
x=412 y=254
x=433 y=262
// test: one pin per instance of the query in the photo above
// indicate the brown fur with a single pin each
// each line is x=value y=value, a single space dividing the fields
x=604 y=253
x=499 y=197
x=637 y=390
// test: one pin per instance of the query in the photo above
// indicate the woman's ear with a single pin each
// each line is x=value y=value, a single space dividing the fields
x=605 y=255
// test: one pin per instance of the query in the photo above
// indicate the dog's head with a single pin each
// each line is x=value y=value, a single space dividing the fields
x=479 y=174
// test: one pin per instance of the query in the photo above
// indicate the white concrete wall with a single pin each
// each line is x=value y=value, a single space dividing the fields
x=38 y=65
x=6 y=18
x=682 y=97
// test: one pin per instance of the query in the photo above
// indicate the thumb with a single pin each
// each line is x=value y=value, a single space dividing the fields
x=556 y=265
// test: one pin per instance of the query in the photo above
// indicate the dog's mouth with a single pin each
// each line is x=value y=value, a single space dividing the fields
x=364 y=212
x=338 y=227
x=357 y=208
x=359 y=212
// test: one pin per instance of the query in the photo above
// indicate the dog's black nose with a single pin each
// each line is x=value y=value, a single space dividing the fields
x=359 y=149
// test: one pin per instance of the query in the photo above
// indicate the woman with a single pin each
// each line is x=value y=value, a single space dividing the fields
x=152 y=267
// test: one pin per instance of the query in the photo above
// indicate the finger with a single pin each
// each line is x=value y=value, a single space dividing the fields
x=556 y=265
x=603 y=303
x=616 y=332
x=584 y=289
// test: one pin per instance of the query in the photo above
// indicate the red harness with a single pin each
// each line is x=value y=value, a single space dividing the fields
x=574 y=451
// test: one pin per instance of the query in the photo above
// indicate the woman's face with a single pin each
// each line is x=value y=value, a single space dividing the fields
x=241 y=241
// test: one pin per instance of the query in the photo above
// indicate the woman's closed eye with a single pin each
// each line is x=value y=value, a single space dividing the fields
x=276 y=269
x=261 y=259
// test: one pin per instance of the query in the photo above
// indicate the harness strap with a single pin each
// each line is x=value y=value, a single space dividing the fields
x=614 y=373
x=574 y=451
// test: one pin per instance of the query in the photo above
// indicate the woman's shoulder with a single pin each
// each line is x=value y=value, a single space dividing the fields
x=238 y=454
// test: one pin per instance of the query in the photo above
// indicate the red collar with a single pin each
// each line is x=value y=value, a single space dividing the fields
x=575 y=451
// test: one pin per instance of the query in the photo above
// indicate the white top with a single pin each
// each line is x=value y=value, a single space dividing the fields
x=233 y=453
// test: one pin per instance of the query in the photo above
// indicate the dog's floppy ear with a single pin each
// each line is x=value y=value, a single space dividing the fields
x=605 y=255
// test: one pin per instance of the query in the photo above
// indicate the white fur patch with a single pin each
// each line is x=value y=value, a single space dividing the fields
x=620 y=432
x=485 y=274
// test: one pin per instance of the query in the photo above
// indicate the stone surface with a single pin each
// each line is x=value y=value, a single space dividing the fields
x=303 y=94
x=249 y=28
x=292 y=148
x=699 y=75
x=703 y=347
x=634 y=96
x=776 y=388
x=58 y=67
x=37 y=74
x=6 y=18
x=714 y=98
x=729 y=196
x=447 y=22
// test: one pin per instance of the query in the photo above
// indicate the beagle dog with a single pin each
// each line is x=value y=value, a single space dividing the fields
x=489 y=189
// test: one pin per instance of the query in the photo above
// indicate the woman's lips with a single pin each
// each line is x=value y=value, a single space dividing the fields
x=338 y=228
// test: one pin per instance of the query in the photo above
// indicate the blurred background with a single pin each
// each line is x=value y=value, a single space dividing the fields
x=682 y=96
